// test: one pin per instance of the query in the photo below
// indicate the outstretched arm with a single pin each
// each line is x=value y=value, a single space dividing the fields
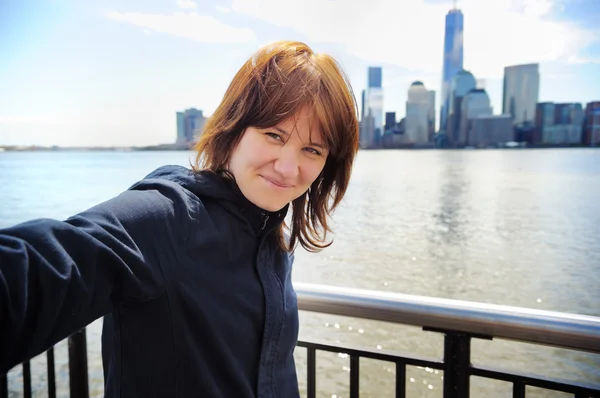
x=56 y=277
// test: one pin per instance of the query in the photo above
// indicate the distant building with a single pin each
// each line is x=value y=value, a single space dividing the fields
x=453 y=59
x=362 y=105
x=524 y=133
x=395 y=138
x=181 y=138
x=417 y=110
x=462 y=83
x=558 y=124
x=521 y=91
x=374 y=110
x=387 y=141
x=544 y=122
x=568 y=119
x=591 y=125
x=490 y=130
x=375 y=74
x=373 y=106
x=390 y=121
x=190 y=125
x=400 y=132
x=431 y=114
x=367 y=133
x=475 y=103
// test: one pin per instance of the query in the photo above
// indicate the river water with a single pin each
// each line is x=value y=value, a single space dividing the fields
x=512 y=227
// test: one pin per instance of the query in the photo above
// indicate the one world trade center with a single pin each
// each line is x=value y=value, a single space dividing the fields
x=453 y=58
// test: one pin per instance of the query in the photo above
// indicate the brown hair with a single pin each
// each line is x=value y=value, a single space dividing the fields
x=275 y=83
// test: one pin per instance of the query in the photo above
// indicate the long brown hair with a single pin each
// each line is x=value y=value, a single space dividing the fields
x=275 y=83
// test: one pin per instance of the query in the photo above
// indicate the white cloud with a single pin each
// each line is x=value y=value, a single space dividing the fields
x=583 y=60
x=410 y=33
x=536 y=8
x=186 y=4
x=187 y=25
x=224 y=10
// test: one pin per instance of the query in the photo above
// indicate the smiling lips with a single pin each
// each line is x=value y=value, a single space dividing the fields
x=276 y=183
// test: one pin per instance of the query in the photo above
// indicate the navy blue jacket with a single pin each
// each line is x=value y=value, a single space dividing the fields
x=196 y=296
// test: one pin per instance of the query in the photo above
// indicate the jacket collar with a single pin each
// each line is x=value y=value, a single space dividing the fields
x=221 y=187
x=261 y=221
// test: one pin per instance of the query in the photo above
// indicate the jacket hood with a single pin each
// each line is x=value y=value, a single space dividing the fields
x=207 y=184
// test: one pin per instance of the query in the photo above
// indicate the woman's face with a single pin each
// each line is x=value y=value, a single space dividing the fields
x=274 y=166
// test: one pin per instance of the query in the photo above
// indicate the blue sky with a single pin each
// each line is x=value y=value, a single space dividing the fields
x=114 y=72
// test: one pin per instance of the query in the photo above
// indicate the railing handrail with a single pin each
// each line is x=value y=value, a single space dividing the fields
x=571 y=331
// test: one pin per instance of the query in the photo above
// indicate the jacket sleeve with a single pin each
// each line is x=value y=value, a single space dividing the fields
x=56 y=277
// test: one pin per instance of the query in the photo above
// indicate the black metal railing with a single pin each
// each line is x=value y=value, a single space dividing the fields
x=458 y=321
x=456 y=367
x=78 y=370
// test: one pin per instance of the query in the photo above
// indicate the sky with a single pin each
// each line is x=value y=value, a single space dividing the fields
x=115 y=72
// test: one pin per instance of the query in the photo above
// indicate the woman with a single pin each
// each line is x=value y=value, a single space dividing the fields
x=191 y=269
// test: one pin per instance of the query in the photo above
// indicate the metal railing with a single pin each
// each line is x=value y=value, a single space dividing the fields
x=458 y=321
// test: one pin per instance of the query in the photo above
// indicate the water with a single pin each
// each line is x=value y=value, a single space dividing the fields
x=506 y=227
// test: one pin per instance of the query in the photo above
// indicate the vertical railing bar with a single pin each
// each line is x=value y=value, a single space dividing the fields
x=400 y=380
x=354 y=375
x=78 y=370
x=3 y=386
x=311 y=375
x=457 y=359
x=518 y=389
x=27 y=379
x=51 y=373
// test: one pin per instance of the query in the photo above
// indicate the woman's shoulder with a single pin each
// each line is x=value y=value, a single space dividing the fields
x=169 y=185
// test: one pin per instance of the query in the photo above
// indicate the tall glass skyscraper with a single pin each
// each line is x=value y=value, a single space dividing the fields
x=521 y=91
x=374 y=76
x=453 y=59
x=373 y=107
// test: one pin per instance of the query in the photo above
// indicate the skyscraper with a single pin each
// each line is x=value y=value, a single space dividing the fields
x=417 y=109
x=373 y=106
x=390 y=121
x=190 y=125
x=521 y=91
x=592 y=124
x=431 y=113
x=558 y=124
x=374 y=76
x=544 y=122
x=460 y=85
x=474 y=104
x=453 y=58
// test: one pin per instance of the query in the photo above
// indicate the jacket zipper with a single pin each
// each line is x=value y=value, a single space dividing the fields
x=265 y=219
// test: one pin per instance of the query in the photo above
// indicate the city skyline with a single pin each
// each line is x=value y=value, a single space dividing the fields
x=109 y=74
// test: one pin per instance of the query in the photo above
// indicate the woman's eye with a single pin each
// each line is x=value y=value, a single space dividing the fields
x=313 y=151
x=275 y=136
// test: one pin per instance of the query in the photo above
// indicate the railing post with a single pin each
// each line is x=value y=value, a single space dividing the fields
x=311 y=363
x=457 y=357
x=3 y=386
x=27 y=379
x=78 y=370
x=51 y=373
x=354 y=376
x=400 y=380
